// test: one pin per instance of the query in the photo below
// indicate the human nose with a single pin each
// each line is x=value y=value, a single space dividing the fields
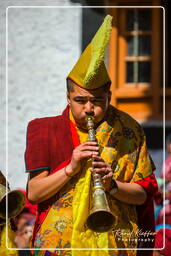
x=89 y=108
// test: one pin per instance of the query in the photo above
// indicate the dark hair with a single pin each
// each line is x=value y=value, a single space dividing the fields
x=70 y=86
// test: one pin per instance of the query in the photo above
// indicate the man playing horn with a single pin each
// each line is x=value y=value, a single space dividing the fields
x=58 y=157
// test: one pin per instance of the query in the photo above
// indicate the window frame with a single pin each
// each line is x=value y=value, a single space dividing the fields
x=117 y=64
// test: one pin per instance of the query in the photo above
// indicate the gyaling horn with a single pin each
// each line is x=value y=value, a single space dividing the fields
x=16 y=201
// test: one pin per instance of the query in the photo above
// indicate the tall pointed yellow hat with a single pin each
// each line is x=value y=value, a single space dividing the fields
x=90 y=71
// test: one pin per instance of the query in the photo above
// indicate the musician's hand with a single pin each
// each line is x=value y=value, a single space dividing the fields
x=101 y=167
x=83 y=151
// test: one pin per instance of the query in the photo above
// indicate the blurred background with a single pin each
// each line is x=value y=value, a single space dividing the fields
x=43 y=43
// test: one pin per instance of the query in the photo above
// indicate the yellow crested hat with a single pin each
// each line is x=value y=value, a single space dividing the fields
x=90 y=71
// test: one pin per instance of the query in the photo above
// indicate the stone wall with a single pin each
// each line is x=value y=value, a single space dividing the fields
x=43 y=44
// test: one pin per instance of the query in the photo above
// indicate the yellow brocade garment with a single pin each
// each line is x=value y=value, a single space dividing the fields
x=123 y=146
x=4 y=251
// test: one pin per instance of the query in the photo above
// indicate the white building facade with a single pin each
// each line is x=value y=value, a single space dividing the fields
x=43 y=42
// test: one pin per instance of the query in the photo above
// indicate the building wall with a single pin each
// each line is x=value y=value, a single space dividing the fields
x=43 y=45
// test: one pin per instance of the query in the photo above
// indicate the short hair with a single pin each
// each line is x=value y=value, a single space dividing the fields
x=70 y=86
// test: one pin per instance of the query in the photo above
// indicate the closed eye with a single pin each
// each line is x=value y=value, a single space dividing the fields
x=94 y=100
x=80 y=100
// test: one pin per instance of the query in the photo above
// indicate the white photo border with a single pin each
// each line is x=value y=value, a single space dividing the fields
x=107 y=7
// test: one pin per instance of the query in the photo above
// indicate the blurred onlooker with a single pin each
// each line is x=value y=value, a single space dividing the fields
x=165 y=210
x=25 y=222
x=158 y=198
x=159 y=243
x=166 y=171
x=4 y=251
x=23 y=236
x=28 y=214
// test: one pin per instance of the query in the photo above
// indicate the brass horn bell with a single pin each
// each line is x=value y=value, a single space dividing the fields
x=101 y=218
x=16 y=202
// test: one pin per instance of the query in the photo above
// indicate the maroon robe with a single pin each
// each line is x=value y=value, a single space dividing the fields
x=50 y=142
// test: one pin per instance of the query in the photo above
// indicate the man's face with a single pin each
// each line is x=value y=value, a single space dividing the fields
x=88 y=102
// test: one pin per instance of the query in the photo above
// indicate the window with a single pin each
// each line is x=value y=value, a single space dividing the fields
x=138 y=38
x=135 y=61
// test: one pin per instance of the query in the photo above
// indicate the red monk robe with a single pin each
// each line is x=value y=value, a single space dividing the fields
x=50 y=142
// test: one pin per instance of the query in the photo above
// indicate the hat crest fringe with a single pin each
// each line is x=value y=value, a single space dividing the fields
x=98 y=49
x=90 y=71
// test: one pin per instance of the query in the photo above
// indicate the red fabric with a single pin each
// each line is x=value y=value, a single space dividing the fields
x=48 y=142
x=145 y=212
x=30 y=208
x=74 y=135
x=149 y=184
x=43 y=210
x=62 y=165
x=45 y=206
x=159 y=243
x=49 y=145
x=57 y=137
